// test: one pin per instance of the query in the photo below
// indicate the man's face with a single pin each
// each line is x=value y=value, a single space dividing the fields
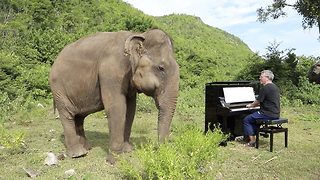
x=263 y=79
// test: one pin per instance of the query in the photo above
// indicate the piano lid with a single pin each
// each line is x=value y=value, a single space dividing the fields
x=238 y=94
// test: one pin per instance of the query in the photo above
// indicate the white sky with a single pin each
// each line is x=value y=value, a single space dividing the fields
x=239 y=18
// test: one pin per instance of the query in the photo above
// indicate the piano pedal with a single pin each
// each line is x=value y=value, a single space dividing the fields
x=263 y=134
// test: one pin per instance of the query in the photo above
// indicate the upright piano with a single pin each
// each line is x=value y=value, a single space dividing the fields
x=225 y=105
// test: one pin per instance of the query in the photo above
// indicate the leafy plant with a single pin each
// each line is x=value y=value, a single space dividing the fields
x=12 y=142
x=186 y=157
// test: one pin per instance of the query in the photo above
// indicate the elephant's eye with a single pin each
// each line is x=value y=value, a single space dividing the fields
x=161 y=68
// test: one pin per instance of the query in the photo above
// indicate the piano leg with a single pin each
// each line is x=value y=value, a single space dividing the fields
x=206 y=124
x=224 y=124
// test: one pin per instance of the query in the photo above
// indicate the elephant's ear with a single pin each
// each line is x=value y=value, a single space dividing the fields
x=134 y=48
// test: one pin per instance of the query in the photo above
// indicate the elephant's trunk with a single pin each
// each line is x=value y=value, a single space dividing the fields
x=166 y=104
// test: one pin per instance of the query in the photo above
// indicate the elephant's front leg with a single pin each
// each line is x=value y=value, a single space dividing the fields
x=116 y=110
x=131 y=109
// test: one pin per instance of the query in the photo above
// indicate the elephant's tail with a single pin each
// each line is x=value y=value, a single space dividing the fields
x=54 y=106
x=54 y=109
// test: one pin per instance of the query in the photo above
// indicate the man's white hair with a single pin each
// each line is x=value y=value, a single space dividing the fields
x=269 y=74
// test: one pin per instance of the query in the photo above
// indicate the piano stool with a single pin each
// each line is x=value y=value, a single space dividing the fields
x=271 y=127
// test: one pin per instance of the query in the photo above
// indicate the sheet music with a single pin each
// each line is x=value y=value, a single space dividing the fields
x=238 y=94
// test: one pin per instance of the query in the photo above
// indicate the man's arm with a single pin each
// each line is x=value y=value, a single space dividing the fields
x=254 y=104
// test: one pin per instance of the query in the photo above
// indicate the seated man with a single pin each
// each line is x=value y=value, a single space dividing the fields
x=269 y=102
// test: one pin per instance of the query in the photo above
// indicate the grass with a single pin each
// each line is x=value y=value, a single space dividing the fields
x=300 y=160
x=43 y=133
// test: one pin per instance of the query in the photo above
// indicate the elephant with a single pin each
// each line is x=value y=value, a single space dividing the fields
x=106 y=71
x=314 y=73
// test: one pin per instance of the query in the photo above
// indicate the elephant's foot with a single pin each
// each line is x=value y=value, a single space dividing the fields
x=84 y=142
x=77 y=151
x=127 y=147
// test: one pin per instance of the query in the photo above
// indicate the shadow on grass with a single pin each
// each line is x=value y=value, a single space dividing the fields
x=99 y=139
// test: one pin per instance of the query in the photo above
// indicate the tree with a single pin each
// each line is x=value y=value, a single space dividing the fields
x=308 y=9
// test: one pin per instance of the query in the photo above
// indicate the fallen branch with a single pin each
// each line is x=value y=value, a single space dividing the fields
x=270 y=159
x=255 y=158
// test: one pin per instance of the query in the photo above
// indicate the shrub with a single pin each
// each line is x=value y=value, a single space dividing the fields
x=307 y=92
x=290 y=74
x=186 y=157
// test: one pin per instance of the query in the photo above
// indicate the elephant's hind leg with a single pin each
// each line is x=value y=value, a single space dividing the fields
x=79 y=120
x=73 y=140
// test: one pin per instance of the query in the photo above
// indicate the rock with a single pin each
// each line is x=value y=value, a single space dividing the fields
x=69 y=173
x=31 y=173
x=51 y=159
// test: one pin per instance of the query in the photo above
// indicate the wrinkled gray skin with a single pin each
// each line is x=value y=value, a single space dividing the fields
x=106 y=71
x=314 y=73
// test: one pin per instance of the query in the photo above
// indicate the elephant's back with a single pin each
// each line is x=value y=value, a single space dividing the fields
x=84 y=54
x=94 y=46
x=101 y=39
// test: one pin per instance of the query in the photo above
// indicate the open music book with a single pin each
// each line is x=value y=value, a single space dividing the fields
x=238 y=94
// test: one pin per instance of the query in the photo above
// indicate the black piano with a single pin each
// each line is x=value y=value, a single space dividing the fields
x=225 y=105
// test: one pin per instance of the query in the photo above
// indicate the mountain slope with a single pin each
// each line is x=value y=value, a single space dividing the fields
x=205 y=51
x=34 y=32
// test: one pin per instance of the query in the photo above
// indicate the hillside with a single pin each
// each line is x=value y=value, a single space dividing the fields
x=205 y=51
x=35 y=31
x=205 y=54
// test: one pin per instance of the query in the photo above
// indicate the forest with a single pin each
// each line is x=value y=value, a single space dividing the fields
x=33 y=32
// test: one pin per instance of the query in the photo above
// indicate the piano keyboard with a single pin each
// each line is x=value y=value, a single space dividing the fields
x=243 y=109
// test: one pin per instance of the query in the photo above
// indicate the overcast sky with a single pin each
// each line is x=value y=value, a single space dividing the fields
x=239 y=18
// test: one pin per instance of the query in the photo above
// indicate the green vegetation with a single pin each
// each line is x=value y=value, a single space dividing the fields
x=12 y=142
x=204 y=53
x=187 y=157
x=309 y=10
x=34 y=32
x=290 y=75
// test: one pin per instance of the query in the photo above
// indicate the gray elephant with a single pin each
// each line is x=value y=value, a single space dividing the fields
x=314 y=73
x=106 y=71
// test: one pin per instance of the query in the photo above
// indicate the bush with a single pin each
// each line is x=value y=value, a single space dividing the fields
x=307 y=92
x=290 y=74
x=186 y=157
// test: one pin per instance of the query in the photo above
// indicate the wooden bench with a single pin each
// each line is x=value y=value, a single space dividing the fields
x=271 y=127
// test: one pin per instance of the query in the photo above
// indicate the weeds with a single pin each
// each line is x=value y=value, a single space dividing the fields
x=11 y=142
x=186 y=157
